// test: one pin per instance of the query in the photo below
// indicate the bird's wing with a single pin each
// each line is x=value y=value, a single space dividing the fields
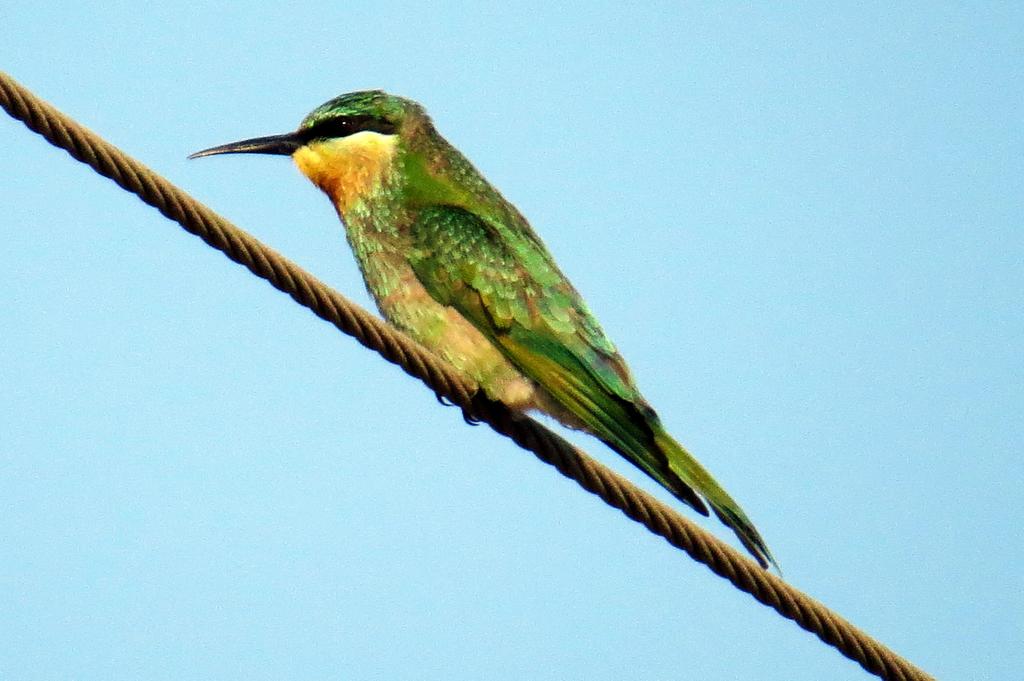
x=508 y=287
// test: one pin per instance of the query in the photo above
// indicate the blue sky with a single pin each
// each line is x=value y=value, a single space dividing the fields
x=802 y=227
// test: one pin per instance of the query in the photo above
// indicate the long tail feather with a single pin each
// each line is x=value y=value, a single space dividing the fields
x=689 y=470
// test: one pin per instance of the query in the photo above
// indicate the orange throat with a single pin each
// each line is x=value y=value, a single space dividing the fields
x=348 y=168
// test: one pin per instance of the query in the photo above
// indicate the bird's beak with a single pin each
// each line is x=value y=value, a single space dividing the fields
x=281 y=145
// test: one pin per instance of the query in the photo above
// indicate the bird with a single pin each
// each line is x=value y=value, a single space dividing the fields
x=448 y=260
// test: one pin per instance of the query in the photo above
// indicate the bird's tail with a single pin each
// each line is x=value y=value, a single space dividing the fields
x=629 y=426
x=689 y=470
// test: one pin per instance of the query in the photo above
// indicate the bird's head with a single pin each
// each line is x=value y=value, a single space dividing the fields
x=344 y=145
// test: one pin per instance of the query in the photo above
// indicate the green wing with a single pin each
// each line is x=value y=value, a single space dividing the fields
x=507 y=286
x=505 y=283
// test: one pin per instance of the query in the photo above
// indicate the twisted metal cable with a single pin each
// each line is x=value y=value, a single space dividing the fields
x=399 y=349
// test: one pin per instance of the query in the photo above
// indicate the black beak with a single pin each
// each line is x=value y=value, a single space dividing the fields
x=280 y=145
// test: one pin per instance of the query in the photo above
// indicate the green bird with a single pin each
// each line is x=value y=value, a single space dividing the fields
x=452 y=263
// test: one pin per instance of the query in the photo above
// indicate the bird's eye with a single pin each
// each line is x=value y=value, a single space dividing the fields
x=343 y=126
x=332 y=127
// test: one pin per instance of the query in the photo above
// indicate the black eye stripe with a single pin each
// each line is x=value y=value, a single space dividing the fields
x=343 y=126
